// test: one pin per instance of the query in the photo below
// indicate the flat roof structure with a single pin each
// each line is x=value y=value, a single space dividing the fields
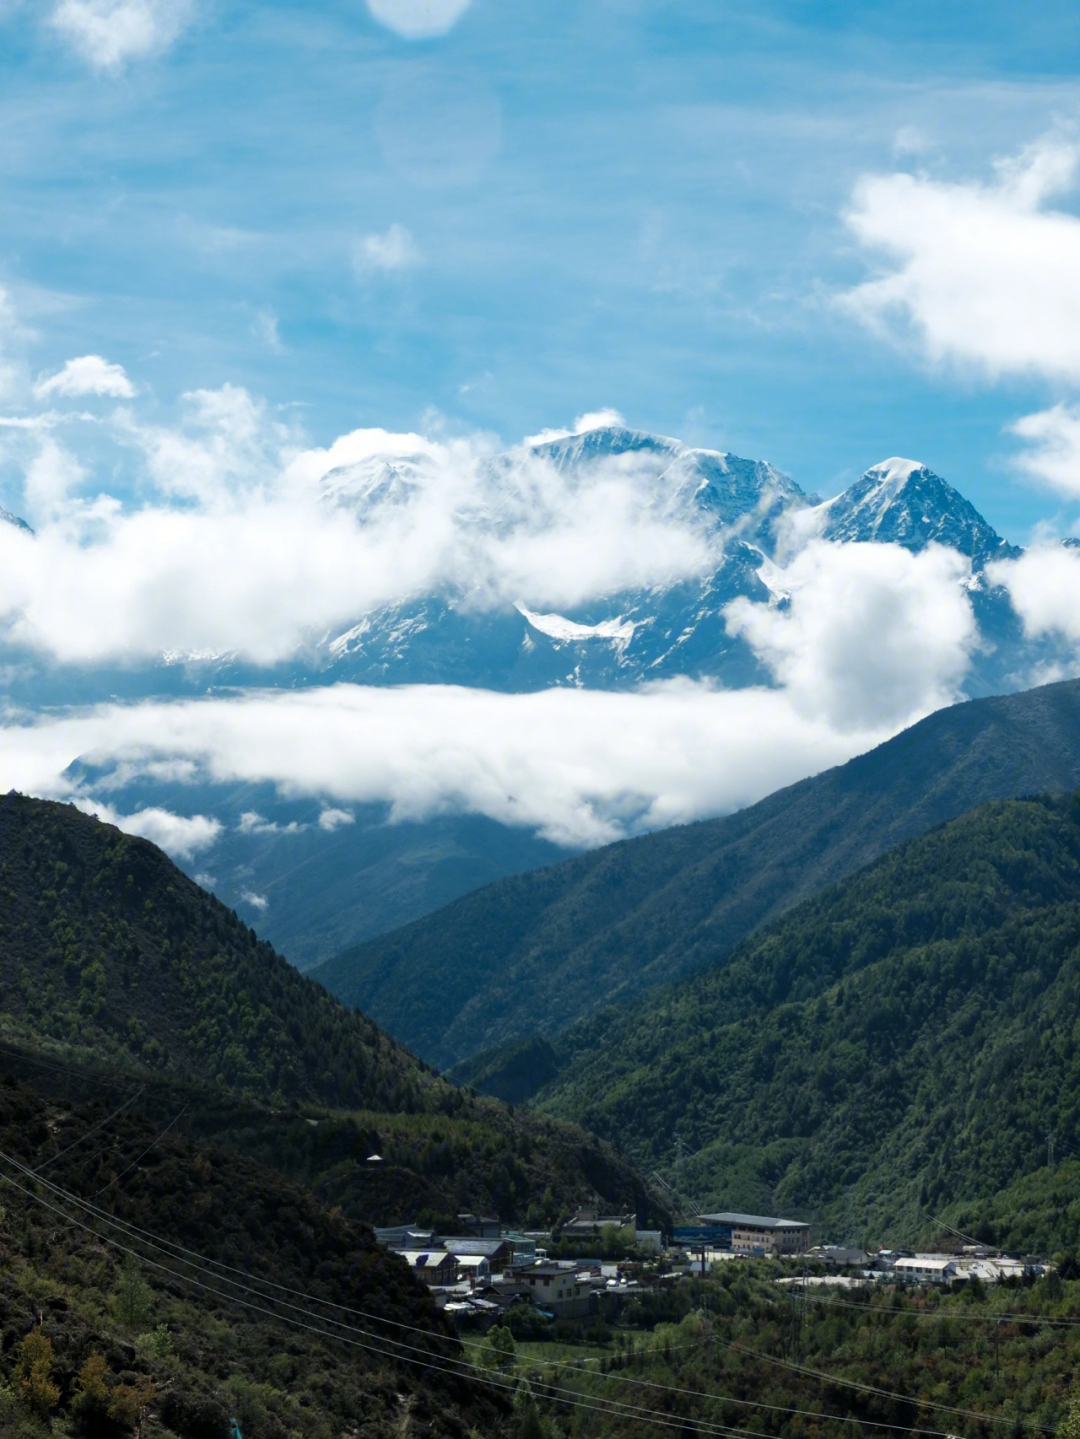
x=753 y=1221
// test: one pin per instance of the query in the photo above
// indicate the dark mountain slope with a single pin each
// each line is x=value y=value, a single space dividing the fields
x=900 y=1042
x=114 y=961
x=538 y=951
x=210 y=1348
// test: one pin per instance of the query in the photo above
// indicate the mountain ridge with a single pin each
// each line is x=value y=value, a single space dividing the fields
x=533 y=953
x=903 y=1039
x=110 y=956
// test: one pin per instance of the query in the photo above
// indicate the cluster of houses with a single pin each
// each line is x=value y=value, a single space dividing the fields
x=900 y=1266
x=485 y=1269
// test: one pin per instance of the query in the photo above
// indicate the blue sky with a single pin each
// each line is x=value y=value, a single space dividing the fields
x=552 y=207
x=239 y=242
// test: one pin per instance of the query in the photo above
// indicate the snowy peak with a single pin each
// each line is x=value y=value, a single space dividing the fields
x=6 y=517
x=901 y=502
x=895 y=472
x=748 y=494
x=569 y=452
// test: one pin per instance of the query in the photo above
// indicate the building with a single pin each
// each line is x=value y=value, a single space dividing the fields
x=474 y=1268
x=587 y=1224
x=840 y=1256
x=561 y=1291
x=498 y=1252
x=925 y=1269
x=524 y=1247
x=480 y=1226
x=433 y=1266
x=759 y=1234
x=406 y=1236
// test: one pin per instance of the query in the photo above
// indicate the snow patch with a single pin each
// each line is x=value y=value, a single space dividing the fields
x=557 y=627
x=894 y=472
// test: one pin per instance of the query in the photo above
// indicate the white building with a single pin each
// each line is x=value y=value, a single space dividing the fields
x=925 y=1269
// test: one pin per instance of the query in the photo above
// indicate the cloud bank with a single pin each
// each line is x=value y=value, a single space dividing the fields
x=580 y=766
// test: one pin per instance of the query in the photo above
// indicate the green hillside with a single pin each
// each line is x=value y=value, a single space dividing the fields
x=536 y=952
x=118 y=966
x=901 y=1042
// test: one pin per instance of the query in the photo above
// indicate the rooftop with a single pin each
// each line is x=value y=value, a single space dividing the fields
x=752 y=1221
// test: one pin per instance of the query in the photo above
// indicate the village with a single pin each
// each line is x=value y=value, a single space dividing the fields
x=480 y=1274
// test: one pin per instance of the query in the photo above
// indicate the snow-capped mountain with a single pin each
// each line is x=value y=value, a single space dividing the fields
x=755 y=516
x=752 y=517
x=901 y=502
x=6 y=517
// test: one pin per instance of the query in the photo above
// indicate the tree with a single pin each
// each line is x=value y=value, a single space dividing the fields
x=34 y=1372
x=133 y=1299
x=1069 y=1428
x=129 y=1401
x=500 y=1350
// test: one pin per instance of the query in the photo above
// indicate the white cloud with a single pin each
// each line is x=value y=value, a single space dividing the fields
x=1044 y=587
x=391 y=251
x=580 y=766
x=265 y=329
x=245 y=544
x=1054 y=458
x=331 y=819
x=178 y=836
x=251 y=822
x=50 y=476
x=593 y=420
x=874 y=636
x=109 y=32
x=88 y=375
x=257 y=901
x=982 y=275
x=418 y=19
x=597 y=420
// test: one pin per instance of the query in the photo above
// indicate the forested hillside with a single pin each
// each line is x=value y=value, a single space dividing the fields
x=901 y=1042
x=533 y=953
x=115 y=963
x=149 y=1281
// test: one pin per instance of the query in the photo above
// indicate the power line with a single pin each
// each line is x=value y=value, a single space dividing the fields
x=154 y=1242
x=101 y=1125
x=142 y=1156
x=881 y=1393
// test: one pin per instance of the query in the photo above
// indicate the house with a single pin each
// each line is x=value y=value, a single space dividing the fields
x=474 y=1268
x=839 y=1256
x=925 y=1269
x=480 y=1226
x=562 y=1291
x=433 y=1266
x=406 y=1236
x=498 y=1252
x=587 y=1224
